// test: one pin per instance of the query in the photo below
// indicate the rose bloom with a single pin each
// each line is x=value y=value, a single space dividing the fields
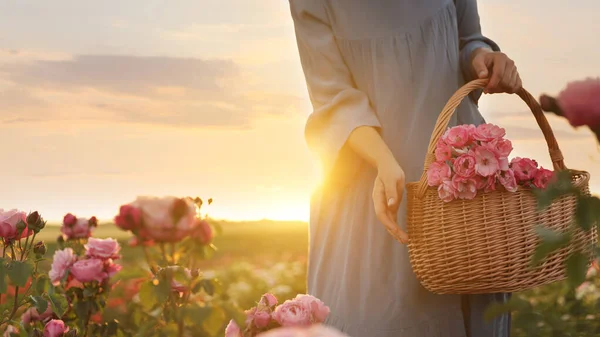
x=202 y=232
x=102 y=248
x=293 y=313
x=443 y=151
x=580 y=102
x=525 y=169
x=55 y=328
x=508 y=180
x=233 y=330
x=258 y=318
x=464 y=165
x=485 y=184
x=32 y=315
x=488 y=132
x=76 y=228
x=486 y=162
x=446 y=191
x=318 y=309
x=8 y=224
x=129 y=218
x=167 y=219
x=269 y=300
x=89 y=270
x=62 y=261
x=437 y=173
x=465 y=188
x=457 y=136
x=542 y=177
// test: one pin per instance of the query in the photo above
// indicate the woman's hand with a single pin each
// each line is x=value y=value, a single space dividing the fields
x=387 y=195
x=504 y=75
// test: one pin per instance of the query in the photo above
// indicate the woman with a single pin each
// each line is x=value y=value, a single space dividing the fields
x=379 y=72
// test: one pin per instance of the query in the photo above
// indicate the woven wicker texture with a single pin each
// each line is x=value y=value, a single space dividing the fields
x=485 y=245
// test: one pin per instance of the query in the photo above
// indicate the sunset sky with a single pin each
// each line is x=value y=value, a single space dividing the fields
x=101 y=101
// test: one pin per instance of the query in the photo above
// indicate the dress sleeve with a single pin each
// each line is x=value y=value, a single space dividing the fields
x=470 y=38
x=338 y=106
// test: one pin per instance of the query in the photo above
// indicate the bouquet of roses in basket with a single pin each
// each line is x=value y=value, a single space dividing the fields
x=302 y=312
x=470 y=160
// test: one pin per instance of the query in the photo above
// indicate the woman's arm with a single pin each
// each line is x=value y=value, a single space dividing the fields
x=343 y=125
x=480 y=56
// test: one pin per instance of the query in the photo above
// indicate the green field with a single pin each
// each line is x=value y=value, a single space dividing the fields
x=239 y=241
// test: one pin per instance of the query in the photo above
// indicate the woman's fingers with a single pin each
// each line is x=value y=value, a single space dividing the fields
x=385 y=213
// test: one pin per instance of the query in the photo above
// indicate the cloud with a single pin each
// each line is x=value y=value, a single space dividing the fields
x=181 y=92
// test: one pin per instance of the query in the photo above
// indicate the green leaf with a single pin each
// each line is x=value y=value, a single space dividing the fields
x=82 y=309
x=111 y=329
x=41 y=284
x=3 y=285
x=19 y=272
x=587 y=211
x=577 y=265
x=59 y=304
x=208 y=286
x=550 y=241
x=148 y=297
x=40 y=303
x=559 y=187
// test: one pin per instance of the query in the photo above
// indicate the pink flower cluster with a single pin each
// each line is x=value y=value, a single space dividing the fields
x=9 y=222
x=97 y=264
x=74 y=228
x=167 y=219
x=471 y=160
x=301 y=312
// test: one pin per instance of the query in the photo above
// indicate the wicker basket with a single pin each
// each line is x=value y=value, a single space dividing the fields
x=485 y=245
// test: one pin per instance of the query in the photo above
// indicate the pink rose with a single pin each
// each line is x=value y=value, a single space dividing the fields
x=317 y=330
x=443 y=151
x=580 y=102
x=269 y=300
x=258 y=318
x=465 y=188
x=32 y=315
x=89 y=270
x=55 y=328
x=525 y=169
x=542 y=178
x=76 y=228
x=457 y=136
x=502 y=147
x=318 y=309
x=129 y=218
x=437 y=173
x=203 y=232
x=233 y=330
x=508 y=180
x=9 y=331
x=62 y=261
x=8 y=224
x=102 y=248
x=111 y=268
x=485 y=184
x=464 y=166
x=486 y=162
x=167 y=219
x=488 y=132
x=293 y=313
x=446 y=191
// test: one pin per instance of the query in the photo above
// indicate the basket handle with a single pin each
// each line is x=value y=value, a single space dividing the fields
x=444 y=118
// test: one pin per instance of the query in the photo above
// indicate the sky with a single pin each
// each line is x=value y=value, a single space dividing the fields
x=102 y=101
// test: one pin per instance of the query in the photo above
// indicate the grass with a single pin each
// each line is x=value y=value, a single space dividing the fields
x=239 y=241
